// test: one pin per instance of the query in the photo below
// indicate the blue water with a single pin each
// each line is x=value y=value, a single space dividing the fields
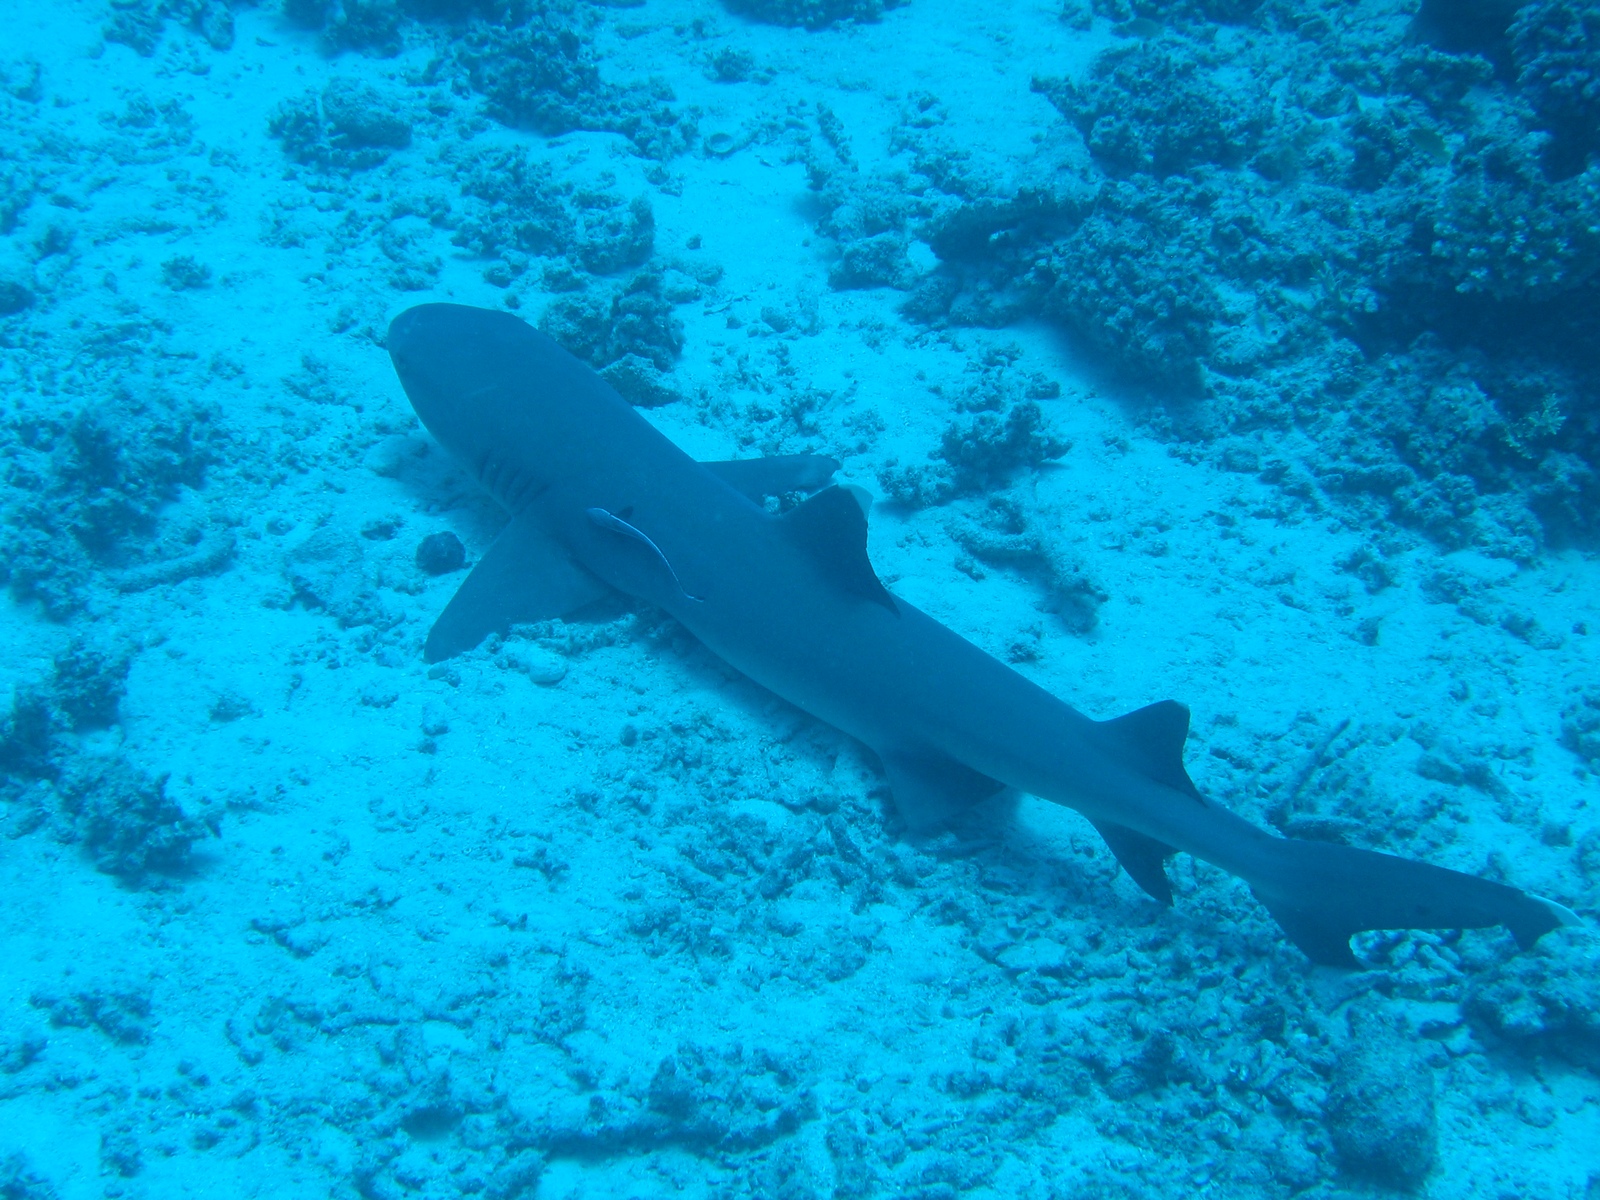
x=1234 y=351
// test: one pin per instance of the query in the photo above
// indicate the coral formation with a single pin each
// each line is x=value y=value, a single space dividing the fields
x=1381 y=1113
x=999 y=431
x=118 y=813
x=1221 y=241
x=87 y=483
x=812 y=14
x=348 y=125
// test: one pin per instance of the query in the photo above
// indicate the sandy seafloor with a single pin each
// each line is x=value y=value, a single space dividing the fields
x=586 y=915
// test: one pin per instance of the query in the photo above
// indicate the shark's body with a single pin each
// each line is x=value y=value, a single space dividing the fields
x=600 y=500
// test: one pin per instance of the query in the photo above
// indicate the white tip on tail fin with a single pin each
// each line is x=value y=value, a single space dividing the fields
x=1562 y=914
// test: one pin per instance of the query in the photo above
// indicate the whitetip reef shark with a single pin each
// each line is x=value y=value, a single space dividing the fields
x=602 y=502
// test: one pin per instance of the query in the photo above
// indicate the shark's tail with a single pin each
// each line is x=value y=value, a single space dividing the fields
x=1321 y=893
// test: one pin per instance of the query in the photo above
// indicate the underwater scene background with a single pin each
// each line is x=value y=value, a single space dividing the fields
x=1236 y=351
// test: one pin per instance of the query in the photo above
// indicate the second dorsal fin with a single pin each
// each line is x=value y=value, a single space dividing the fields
x=1151 y=741
x=832 y=528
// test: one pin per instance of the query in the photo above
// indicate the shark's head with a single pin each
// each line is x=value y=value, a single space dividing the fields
x=452 y=362
x=503 y=398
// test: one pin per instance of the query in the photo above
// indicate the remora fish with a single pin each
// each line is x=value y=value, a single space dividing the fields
x=600 y=500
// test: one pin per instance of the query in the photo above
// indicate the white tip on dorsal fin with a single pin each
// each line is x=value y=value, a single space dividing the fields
x=759 y=478
x=863 y=497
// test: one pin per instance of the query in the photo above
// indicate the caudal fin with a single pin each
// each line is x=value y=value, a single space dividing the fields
x=1321 y=894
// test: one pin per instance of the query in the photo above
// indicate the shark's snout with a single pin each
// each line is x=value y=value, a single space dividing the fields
x=468 y=377
x=400 y=328
x=409 y=336
x=401 y=346
x=436 y=351
x=431 y=366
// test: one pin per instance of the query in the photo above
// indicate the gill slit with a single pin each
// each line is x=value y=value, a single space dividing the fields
x=508 y=483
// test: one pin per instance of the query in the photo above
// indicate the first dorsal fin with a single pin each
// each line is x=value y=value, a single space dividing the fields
x=1151 y=739
x=832 y=528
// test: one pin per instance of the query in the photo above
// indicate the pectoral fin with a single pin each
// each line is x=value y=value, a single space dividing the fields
x=525 y=576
